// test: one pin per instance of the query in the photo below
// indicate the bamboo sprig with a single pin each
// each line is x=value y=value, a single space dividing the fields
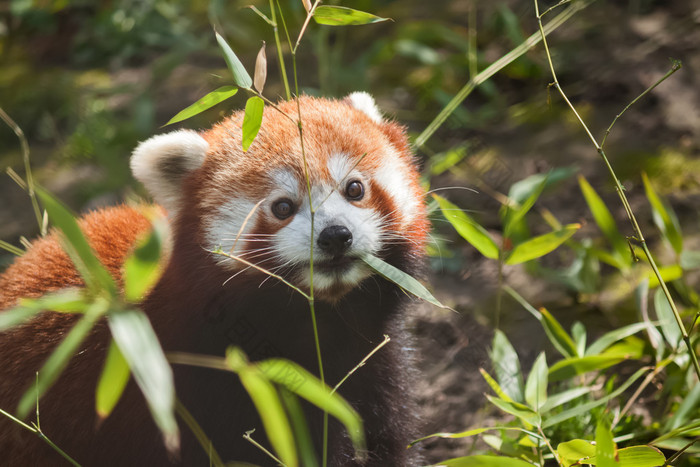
x=638 y=236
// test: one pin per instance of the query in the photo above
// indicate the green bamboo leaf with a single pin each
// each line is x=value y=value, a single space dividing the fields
x=578 y=334
x=297 y=418
x=536 y=385
x=403 y=280
x=680 y=431
x=142 y=268
x=521 y=411
x=605 y=221
x=634 y=456
x=210 y=100
x=64 y=301
x=539 y=246
x=474 y=432
x=252 y=120
x=267 y=403
x=484 y=461
x=506 y=365
x=604 y=444
x=468 y=228
x=574 y=451
x=609 y=338
x=667 y=321
x=587 y=407
x=240 y=75
x=664 y=218
x=556 y=400
x=139 y=345
x=60 y=357
x=494 y=385
x=631 y=348
x=342 y=16
x=112 y=382
x=305 y=385
x=686 y=410
x=74 y=243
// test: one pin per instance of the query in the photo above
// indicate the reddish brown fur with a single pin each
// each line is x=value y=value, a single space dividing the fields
x=195 y=308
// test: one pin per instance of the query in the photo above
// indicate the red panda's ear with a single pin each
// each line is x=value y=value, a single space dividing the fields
x=162 y=162
x=364 y=102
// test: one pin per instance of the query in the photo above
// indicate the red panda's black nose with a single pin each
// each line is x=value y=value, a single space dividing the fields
x=335 y=240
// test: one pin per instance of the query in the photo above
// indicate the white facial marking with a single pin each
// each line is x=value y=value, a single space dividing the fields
x=230 y=230
x=392 y=177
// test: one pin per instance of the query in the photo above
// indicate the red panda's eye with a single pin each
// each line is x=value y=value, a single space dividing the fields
x=355 y=190
x=283 y=208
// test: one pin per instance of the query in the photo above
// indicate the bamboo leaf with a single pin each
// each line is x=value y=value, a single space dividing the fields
x=506 y=365
x=468 y=228
x=631 y=348
x=400 y=278
x=521 y=411
x=474 y=432
x=609 y=338
x=604 y=444
x=342 y=16
x=267 y=403
x=484 y=461
x=210 y=100
x=667 y=321
x=240 y=75
x=64 y=301
x=575 y=451
x=252 y=120
x=260 y=75
x=142 y=268
x=555 y=400
x=112 y=382
x=539 y=246
x=664 y=218
x=536 y=385
x=139 y=345
x=493 y=384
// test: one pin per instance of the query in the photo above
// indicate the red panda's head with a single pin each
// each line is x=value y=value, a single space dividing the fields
x=355 y=171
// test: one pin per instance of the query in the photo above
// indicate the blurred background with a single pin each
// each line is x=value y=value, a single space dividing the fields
x=87 y=80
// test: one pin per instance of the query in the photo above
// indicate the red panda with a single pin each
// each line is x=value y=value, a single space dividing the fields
x=363 y=187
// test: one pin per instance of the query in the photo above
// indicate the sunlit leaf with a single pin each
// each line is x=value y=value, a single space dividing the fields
x=305 y=385
x=297 y=419
x=688 y=409
x=539 y=246
x=521 y=411
x=112 y=382
x=240 y=75
x=664 y=218
x=342 y=16
x=400 y=278
x=605 y=221
x=578 y=334
x=536 y=384
x=493 y=384
x=93 y=272
x=571 y=452
x=61 y=355
x=631 y=348
x=139 y=345
x=268 y=405
x=634 y=456
x=468 y=228
x=474 y=432
x=604 y=445
x=609 y=338
x=210 y=100
x=142 y=268
x=506 y=365
x=252 y=120
x=64 y=301
x=561 y=398
x=484 y=461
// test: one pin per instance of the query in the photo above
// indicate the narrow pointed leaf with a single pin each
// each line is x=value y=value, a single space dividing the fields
x=142 y=268
x=493 y=384
x=260 y=75
x=474 y=432
x=521 y=411
x=60 y=357
x=609 y=338
x=74 y=243
x=484 y=461
x=240 y=75
x=468 y=228
x=555 y=400
x=539 y=246
x=667 y=320
x=506 y=365
x=297 y=419
x=605 y=447
x=664 y=218
x=557 y=335
x=210 y=100
x=268 y=405
x=606 y=222
x=252 y=120
x=342 y=16
x=113 y=379
x=305 y=385
x=631 y=348
x=139 y=345
x=65 y=301
x=400 y=278
x=576 y=450
x=536 y=385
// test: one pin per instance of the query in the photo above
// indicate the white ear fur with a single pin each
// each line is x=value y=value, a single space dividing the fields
x=163 y=161
x=364 y=102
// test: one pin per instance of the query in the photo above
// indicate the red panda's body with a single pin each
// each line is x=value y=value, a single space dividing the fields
x=365 y=194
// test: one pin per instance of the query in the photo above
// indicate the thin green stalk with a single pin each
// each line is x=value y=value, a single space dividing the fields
x=620 y=191
x=549 y=445
x=198 y=433
x=27 y=167
x=494 y=68
x=362 y=362
x=247 y=437
x=280 y=56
